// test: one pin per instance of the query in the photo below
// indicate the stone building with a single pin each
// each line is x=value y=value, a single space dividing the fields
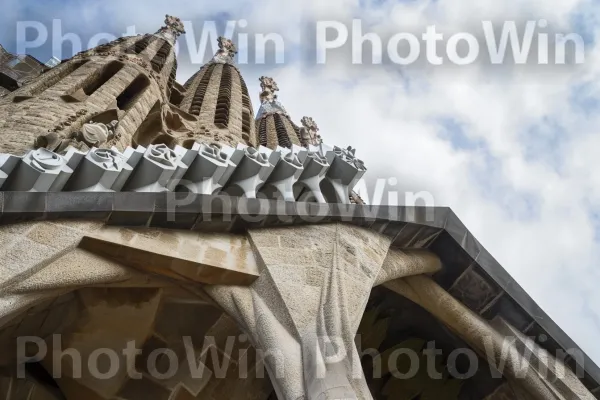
x=158 y=243
x=16 y=71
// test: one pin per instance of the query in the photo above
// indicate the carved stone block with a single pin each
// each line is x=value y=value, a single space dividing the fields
x=100 y=170
x=8 y=163
x=39 y=171
x=253 y=171
x=211 y=169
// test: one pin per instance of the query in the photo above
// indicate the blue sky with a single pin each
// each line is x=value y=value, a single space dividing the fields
x=513 y=150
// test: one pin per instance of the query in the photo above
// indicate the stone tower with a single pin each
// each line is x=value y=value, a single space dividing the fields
x=273 y=123
x=218 y=96
x=121 y=81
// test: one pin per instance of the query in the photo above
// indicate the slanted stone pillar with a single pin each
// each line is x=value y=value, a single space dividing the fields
x=303 y=311
x=499 y=344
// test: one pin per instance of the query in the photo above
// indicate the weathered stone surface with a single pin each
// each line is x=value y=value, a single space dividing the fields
x=205 y=258
x=27 y=248
x=303 y=295
x=112 y=318
x=495 y=344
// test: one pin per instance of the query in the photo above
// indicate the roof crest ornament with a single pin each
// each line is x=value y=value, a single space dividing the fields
x=173 y=28
x=268 y=98
x=309 y=133
x=227 y=51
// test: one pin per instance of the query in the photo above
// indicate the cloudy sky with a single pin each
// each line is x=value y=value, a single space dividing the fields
x=513 y=149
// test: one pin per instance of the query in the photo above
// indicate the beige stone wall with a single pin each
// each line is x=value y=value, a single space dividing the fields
x=97 y=302
x=280 y=288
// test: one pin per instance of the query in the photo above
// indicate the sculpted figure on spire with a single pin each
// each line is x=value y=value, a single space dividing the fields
x=227 y=51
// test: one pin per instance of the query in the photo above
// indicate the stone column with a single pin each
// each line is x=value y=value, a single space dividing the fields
x=303 y=311
x=489 y=342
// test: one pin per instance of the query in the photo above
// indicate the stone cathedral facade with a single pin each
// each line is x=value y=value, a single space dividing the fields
x=162 y=241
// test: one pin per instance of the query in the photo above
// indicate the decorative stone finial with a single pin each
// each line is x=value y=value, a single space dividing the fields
x=309 y=132
x=174 y=24
x=227 y=51
x=173 y=28
x=268 y=98
x=269 y=87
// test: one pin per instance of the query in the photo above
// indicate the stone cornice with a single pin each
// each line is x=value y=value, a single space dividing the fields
x=323 y=173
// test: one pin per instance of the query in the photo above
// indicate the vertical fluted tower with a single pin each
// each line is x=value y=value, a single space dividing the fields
x=218 y=96
x=120 y=83
x=274 y=126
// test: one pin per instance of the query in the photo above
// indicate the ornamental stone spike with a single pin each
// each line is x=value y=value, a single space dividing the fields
x=315 y=168
x=172 y=30
x=268 y=87
x=157 y=167
x=268 y=98
x=343 y=175
x=39 y=171
x=286 y=173
x=309 y=133
x=253 y=171
x=212 y=168
x=8 y=163
x=100 y=170
x=227 y=51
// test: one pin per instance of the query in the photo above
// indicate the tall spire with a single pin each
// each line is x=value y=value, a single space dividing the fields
x=218 y=96
x=226 y=53
x=273 y=123
x=172 y=30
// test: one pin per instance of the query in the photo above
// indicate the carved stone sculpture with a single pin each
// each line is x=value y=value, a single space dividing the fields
x=268 y=98
x=173 y=26
x=268 y=87
x=94 y=134
x=227 y=51
x=309 y=132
